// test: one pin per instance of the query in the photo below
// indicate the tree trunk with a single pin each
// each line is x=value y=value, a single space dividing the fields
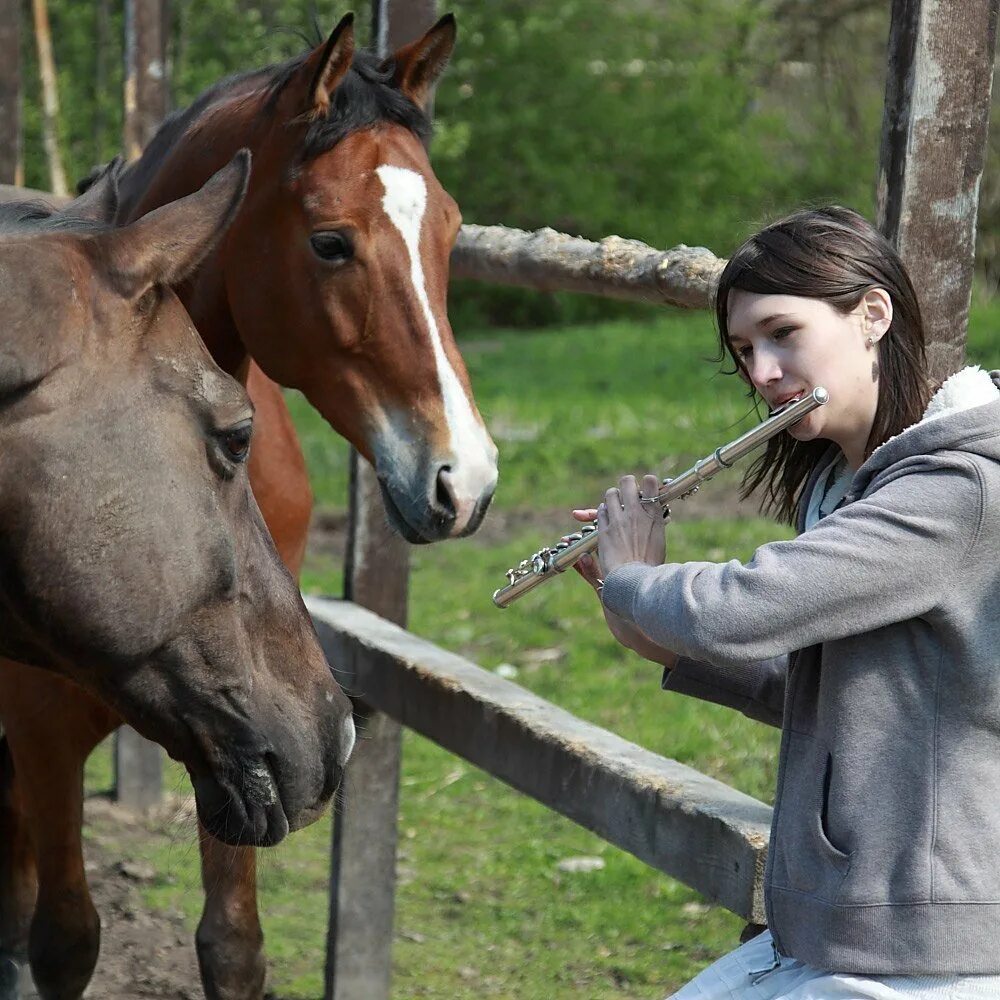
x=10 y=92
x=145 y=73
x=102 y=33
x=50 y=97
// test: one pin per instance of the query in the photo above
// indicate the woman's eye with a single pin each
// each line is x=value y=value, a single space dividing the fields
x=744 y=352
x=331 y=246
x=235 y=441
x=783 y=332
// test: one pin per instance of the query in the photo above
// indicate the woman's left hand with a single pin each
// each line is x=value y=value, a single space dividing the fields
x=630 y=531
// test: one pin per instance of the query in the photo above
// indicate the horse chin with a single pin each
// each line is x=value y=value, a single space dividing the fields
x=253 y=816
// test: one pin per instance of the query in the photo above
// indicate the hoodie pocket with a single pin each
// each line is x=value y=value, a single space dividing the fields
x=805 y=859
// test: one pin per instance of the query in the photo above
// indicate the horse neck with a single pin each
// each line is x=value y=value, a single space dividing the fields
x=180 y=158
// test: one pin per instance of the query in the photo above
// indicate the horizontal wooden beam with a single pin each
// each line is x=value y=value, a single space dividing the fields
x=614 y=268
x=696 y=829
x=549 y=261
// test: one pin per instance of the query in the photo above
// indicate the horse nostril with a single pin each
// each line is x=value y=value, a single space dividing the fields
x=443 y=494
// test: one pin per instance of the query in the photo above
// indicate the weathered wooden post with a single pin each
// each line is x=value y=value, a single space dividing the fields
x=363 y=856
x=10 y=92
x=138 y=764
x=937 y=107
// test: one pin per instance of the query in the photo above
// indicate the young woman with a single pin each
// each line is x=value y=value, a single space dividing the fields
x=872 y=639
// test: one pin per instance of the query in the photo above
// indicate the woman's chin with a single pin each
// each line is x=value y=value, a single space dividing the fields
x=804 y=430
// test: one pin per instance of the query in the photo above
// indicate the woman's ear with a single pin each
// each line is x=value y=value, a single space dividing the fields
x=876 y=311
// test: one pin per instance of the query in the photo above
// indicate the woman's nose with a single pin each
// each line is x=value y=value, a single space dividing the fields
x=765 y=369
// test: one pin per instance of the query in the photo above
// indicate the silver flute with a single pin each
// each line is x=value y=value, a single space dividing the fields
x=549 y=563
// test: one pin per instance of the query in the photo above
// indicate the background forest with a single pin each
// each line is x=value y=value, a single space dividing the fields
x=669 y=123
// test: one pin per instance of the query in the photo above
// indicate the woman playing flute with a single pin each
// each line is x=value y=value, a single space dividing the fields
x=872 y=638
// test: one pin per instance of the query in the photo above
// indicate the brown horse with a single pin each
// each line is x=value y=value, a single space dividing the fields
x=133 y=558
x=332 y=279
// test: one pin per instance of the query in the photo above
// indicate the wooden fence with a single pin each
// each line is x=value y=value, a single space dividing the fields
x=940 y=62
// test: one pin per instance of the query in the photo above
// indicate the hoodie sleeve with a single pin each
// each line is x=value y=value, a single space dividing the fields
x=882 y=559
x=755 y=689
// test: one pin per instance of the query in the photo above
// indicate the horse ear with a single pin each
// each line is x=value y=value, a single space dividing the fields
x=326 y=66
x=98 y=198
x=165 y=246
x=418 y=65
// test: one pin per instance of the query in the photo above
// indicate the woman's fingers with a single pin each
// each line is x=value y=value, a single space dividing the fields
x=585 y=514
x=587 y=567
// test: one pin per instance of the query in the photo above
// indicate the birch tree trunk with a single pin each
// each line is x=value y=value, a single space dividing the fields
x=50 y=97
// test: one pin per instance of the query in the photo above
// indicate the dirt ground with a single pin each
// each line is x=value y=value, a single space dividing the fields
x=143 y=954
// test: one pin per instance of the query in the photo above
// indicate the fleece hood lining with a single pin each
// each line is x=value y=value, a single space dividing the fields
x=966 y=389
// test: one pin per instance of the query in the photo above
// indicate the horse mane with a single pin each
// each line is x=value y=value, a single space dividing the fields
x=364 y=98
x=31 y=216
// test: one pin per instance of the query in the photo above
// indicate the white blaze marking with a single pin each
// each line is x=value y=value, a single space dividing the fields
x=404 y=202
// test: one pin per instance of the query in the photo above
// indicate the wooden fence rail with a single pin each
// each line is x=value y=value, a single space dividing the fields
x=696 y=829
x=614 y=268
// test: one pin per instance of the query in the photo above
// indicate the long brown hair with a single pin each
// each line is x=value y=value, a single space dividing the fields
x=835 y=255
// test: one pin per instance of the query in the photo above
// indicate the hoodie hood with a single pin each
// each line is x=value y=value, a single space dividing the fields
x=963 y=415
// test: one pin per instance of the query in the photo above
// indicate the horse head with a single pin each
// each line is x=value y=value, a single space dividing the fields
x=133 y=557
x=343 y=244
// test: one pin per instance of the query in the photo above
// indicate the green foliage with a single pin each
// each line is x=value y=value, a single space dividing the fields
x=666 y=123
x=669 y=123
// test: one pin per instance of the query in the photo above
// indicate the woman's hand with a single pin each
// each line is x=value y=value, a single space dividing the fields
x=630 y=531
x=624 y=631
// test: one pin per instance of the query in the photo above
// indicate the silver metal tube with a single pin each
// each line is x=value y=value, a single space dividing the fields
x=548 y=563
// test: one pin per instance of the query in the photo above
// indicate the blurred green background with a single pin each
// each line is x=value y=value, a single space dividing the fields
x=686 y=122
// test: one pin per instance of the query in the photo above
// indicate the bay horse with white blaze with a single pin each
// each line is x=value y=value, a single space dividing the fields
x=332 y=280
x=133 y=558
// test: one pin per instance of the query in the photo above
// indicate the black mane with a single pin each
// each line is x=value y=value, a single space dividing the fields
x=364 y=98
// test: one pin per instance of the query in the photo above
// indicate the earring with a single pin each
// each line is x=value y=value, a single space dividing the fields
x=869 y=342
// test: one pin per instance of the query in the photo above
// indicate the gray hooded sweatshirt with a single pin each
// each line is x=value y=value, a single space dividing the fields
x=873 y=640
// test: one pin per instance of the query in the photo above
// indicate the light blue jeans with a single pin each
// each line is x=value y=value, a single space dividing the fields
x=754 y=972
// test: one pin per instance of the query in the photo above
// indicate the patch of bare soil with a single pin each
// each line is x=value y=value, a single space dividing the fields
x=144 y=954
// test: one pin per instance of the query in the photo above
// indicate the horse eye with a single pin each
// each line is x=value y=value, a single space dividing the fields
x=331 y=246
x=236 y=441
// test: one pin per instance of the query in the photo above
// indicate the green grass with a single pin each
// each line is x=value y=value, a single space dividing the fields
x=483 y=909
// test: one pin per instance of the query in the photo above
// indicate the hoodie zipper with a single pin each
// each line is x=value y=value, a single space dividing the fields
x=782 y=768
x=761 y=974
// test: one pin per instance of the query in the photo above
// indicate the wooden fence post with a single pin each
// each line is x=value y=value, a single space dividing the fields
x=138 y=763
x=363 y=852
x=937 y=107
x=10 y=92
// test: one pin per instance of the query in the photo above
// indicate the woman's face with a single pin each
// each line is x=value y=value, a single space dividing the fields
x=789 y=345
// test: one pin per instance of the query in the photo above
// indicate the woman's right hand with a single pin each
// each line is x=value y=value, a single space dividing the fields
x=628 y=634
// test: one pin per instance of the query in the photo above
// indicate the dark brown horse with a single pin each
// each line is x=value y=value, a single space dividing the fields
x=332 y=279
x=133 y=557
